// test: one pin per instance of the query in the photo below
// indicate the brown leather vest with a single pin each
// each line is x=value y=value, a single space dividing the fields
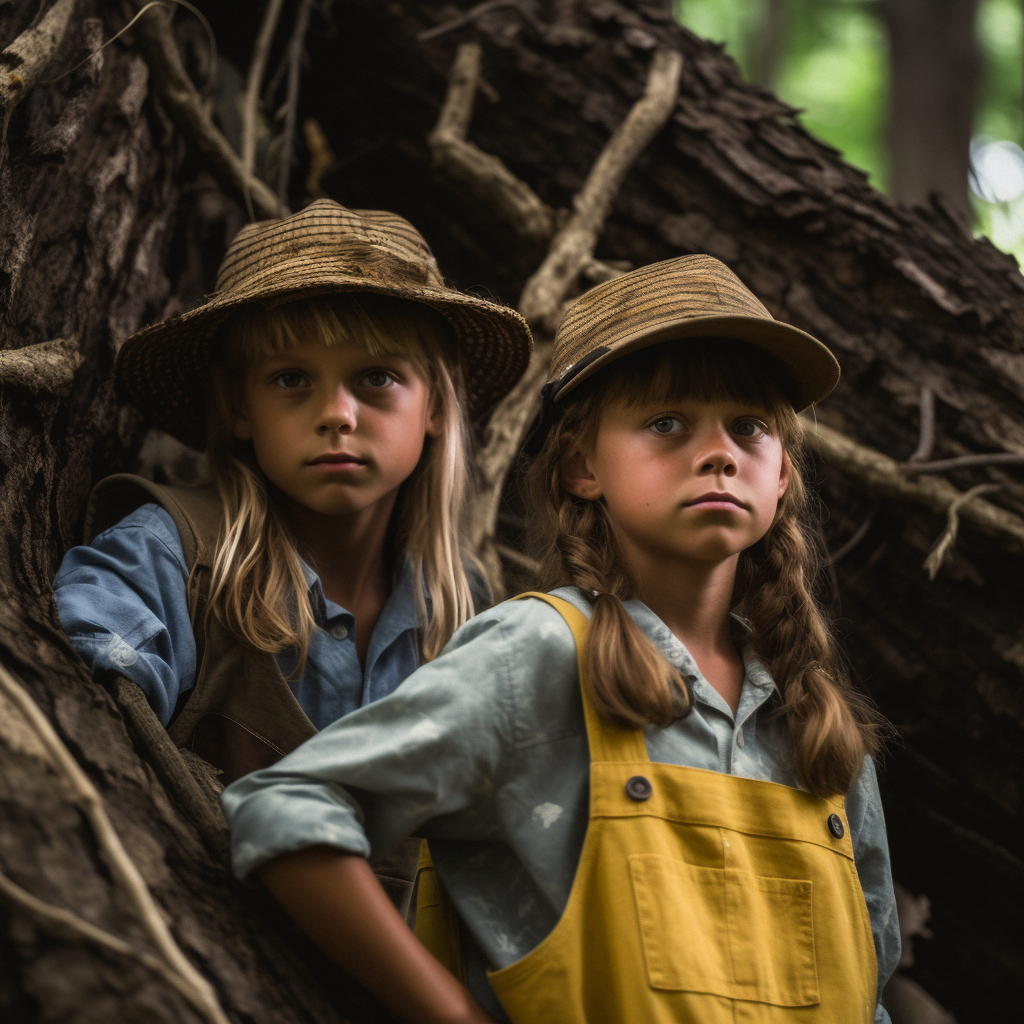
x=242 y=714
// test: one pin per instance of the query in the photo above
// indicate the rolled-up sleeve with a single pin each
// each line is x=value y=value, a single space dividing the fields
x=428 y=760
x=123 y=602
x=871 y=854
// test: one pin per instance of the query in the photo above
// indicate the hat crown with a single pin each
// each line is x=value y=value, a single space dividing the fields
x=684 y=288
x=380 y=247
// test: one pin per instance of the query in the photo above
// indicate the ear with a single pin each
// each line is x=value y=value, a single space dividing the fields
x=229 y=407
x=578 y=478
x=784 y=474
x=435 y=416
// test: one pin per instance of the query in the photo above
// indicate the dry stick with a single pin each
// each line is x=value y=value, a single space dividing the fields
x=186 y=109
x=884 y=478
x=250 y=104
x=67 y=924
x=475 y=12
x=292 y=102
x=192 y=984
x=944 y=544
x=573 y=246
x=927 y=439
x=484 y=176
x=26 y=58
x=963 y=462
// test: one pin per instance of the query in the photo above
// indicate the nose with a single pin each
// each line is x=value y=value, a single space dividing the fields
x=338 y=413
x=716 y=456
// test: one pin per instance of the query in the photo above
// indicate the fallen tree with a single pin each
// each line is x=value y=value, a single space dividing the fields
x=114 y=215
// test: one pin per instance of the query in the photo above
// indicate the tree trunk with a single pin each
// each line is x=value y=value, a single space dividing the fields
x=109 y=223
x=934 y=75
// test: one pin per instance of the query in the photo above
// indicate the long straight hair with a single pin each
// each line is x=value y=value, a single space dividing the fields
x=257 y=586
x=831 y=725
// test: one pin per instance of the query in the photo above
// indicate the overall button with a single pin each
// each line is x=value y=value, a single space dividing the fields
x=835 y=826
x=339 y=632
x=638 y=788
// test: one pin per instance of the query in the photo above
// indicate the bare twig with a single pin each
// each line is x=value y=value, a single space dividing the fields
x=25 y=59
x=484 y=176
x=963 y=462
x=67 y=924
x=518 y=559
x=857 y=536
x=472 y=14
x=542 y=298
x=884 y=478
x=295 y=47
x=927 y=439
x=258 y=64
x=188 y=112
x=124 y=872
x=945 y=543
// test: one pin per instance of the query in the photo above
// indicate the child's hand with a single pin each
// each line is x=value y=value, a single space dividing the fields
x=336 y=899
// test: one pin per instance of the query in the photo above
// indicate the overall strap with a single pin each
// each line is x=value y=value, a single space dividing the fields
x=608 y=740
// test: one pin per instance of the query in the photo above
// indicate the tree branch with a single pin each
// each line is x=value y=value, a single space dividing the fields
x=25 y=59
x=945 y=543
x=186 y=109
x=486 y=178
x=885 y=478
x=257 y=66
x=124 y=872
x=44 y=369
x=295 y=46
x=542 y=298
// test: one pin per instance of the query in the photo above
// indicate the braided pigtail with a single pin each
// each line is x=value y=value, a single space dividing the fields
x=630 y=681
x=831 y=726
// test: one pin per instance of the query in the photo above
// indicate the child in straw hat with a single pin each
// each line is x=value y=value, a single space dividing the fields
x=649 y=793
x=329 y=379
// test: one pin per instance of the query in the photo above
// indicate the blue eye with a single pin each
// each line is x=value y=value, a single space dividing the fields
x=665 y=425
x=378 y=379
x=290 y=380
x=748 y=428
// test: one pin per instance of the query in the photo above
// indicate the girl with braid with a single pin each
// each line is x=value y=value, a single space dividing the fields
x=649 y=792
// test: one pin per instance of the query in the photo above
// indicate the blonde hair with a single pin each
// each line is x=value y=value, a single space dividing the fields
x=831 y=726
x=257 y=586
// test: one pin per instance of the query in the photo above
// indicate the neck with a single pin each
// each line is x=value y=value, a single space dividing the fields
x=693 y=598
x=345 y=551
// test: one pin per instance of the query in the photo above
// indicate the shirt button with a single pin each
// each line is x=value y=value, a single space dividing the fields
x=638 y=788
x=739 y=738
x=835 y=826
x=339 y=632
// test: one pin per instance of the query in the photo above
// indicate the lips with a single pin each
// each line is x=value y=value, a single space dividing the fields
x=716 y=500
x=336 y=459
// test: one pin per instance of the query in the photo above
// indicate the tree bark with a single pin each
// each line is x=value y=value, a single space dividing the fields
x=110 y=223
x=934 y=75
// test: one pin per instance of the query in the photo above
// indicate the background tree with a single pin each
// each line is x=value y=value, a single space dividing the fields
x=117 y=200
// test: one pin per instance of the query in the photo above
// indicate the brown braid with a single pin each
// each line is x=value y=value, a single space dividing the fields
x=831 y=726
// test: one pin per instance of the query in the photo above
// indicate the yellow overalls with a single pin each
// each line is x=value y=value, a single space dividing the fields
x=700 y=898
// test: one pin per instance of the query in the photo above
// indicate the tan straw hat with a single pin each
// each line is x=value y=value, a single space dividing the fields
x=324 y=248
x=686 y=297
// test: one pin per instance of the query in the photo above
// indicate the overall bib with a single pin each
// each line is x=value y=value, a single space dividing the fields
x=700 y=898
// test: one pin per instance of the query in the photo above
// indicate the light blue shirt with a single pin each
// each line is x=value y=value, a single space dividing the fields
x=484 y=752
x=123 y=602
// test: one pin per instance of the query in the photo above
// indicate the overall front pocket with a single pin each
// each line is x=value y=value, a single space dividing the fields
x=725 y=932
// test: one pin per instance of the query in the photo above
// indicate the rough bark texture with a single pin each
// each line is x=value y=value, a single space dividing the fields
x=107 y=226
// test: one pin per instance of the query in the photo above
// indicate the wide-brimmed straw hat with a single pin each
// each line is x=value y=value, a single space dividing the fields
x=686 y=297
x=325 y=248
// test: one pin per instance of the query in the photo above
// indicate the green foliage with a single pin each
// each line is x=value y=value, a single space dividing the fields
x=833 y=65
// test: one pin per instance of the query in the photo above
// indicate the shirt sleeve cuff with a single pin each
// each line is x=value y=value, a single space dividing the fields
x=269 y=822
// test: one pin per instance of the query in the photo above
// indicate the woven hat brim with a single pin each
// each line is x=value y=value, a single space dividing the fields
x=163 y=368
x=811 y=368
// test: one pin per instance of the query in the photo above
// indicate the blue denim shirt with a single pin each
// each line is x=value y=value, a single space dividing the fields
x=122 y=601
x=484 y=752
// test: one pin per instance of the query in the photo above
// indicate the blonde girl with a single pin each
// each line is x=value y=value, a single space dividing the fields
x=649 y=793
x=329 y=378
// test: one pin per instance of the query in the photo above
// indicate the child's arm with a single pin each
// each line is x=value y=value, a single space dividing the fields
x=335 y=898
